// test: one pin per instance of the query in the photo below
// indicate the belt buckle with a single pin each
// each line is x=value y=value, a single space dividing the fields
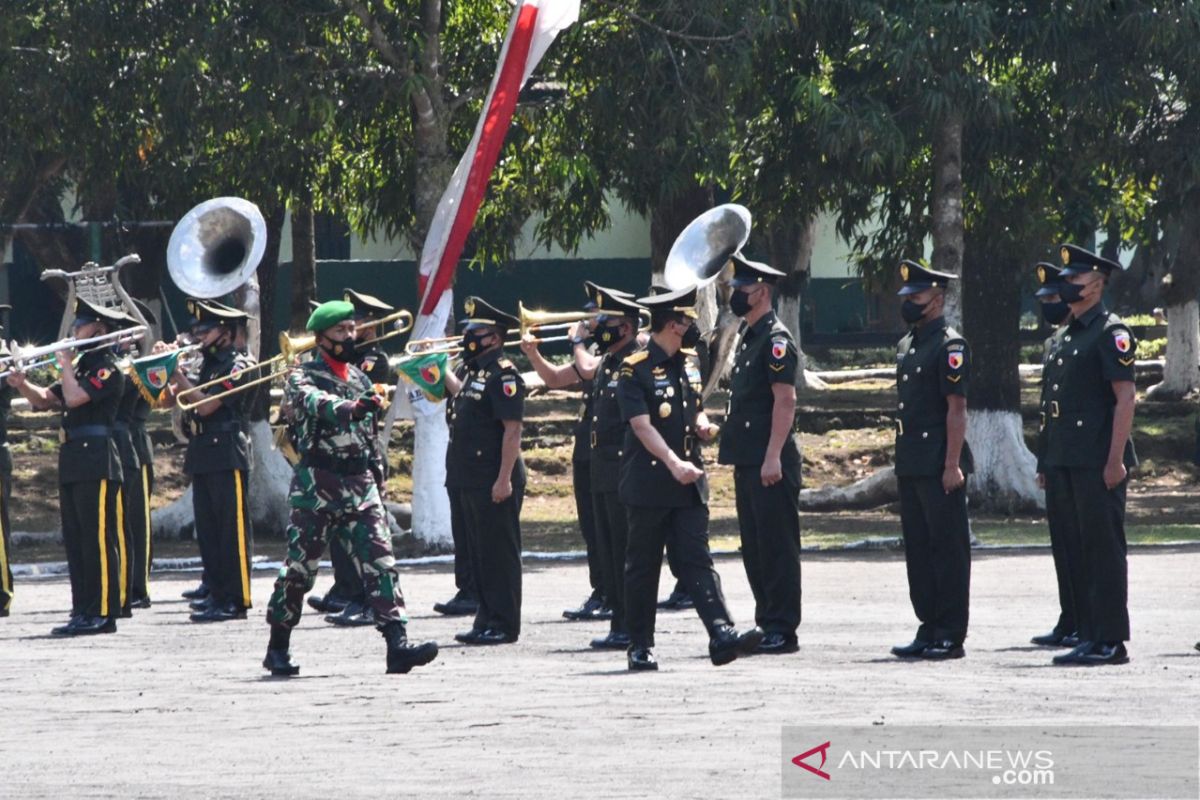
x=900 y=427
x=689 y=442
x=1054 y=408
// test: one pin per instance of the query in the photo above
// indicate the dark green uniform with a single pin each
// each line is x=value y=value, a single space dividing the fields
x=1067 y=624
x=218 y=459
x=1091 y=353
x=6 y=584
x=612 y=522
x=492 y=393
x=768 y=516
x=933 y=363
x=89 y=475
x=140 y=490
x=335 y=493
x=660 y=510
x=581 y=482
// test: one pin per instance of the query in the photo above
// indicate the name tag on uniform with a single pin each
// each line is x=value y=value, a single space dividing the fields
x=476 y=386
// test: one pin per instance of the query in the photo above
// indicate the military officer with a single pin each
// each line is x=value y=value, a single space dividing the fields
x=485 y=475
x=140 y=489
x=89 y=469
x=6 y=582
x=333 y=414
x=1056 y=312
x=663 y=486
x=1088 y=455
x=932 y=461
x=218 y=459
x=766 y=462
x=348 y=584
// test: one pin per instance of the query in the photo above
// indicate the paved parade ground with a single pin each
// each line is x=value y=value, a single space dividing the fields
x=167 y=708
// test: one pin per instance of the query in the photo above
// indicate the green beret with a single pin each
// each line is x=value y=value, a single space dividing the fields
x=329 y=314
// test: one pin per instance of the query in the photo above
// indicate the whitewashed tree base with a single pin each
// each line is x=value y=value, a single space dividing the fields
x=430 y=503
x=1005 y=477
x=1181 y=371
x=877 y=489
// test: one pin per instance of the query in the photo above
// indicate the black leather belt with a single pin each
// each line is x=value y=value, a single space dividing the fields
x=220 y=427
x=85 y=431
x=123 y=427
x=342 y=466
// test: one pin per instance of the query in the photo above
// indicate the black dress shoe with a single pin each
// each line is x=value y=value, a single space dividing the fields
x=1104 y=654
x=943 y=650
x=1073 y=657
x=219 y=613
x=777 y=644
x=1071 y=640
x=461 y=605
x=126 y=613
x=488 y=636
x=3 y=612
x=140 y=603
x=279 y=662
x=86 y=626
x=353 y=616
x=914 y=649
x=641 y=659
x=328 y=603
x=203 y=604
x=588 y=611
x=468 y=637
x=614 y=641
x=728 y=644
x=1198 y=645
x=1051 y=639
x=199 y=593
x=678 y=600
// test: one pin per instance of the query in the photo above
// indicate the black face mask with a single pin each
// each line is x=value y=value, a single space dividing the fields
x=912 y=312
x=691 y=337
x=607 y=336
x=1070 y=293
x=344 y=352
x=472 y=344
x=1055 y=312
x=739 y=303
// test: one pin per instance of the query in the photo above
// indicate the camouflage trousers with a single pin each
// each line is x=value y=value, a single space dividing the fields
x=363 y=532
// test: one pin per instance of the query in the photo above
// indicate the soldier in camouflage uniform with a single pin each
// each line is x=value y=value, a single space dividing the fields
x=349 y=589
x=332 y=412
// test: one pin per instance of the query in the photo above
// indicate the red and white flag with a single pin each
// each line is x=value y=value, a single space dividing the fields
x=534 y=25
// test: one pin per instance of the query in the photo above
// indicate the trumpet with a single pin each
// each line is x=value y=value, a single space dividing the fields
x=535 y=321
x=22 y=361
x=290 y=349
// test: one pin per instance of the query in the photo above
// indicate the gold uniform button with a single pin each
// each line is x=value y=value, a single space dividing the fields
x=904 y=377
x=478 y=453
x=747 y=423
x=925 y=434
x=1078 y=423
x=1060 y=362
x=912 y=350
x=1054 y=388
x=902 y=406
x=653 y=463
x=1068 y=338
x=918 y=369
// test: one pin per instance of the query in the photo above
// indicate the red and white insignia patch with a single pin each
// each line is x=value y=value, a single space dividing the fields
x=778 y=349
x=103 y=373
x=99 y=384
x=955 y=359
x=368 y=364
x=510 y=388
x=1122 y=341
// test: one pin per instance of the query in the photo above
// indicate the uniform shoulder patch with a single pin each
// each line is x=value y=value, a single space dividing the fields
x=779 y=347
x=636 y=358
x=510 y=385
x=1122 y=339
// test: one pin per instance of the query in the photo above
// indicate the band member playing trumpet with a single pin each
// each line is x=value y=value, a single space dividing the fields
x=89 y=468
x=218 y=459
x=333 y=413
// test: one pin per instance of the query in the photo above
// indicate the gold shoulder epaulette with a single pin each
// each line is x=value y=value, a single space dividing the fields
x=505 y=363
x=689 y=351
x=636 y=358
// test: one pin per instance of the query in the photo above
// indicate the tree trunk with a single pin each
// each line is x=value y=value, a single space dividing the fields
x=790 y=248
x=1137 y=288
x=877 y=489
x=20 y=191
x=304 y=265
x=946 y=208
x=1179 y=292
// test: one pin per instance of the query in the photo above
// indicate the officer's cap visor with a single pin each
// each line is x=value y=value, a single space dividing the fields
x=913 y=288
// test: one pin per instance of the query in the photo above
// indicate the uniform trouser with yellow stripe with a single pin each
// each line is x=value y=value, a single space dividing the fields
x=224 y=533
x=93 y=538
x=6 y=584
x=136 y=511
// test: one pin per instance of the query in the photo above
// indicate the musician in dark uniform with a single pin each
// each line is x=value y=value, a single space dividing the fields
x=933 y=365
x=218 y=459
x=138 y=490
x=89 y=468
x=1056 y=312
x=663 y=486
x=758 y=442
x=6 y=581
x=1088 y=455
x=349 y=589
x=485 y=475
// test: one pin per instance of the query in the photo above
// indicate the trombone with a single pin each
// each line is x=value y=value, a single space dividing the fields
x=290 y=350
x=535 y=321
x=22 y=361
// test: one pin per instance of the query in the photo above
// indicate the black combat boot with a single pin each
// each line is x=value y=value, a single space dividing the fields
x=279 y=660
x=403 y=655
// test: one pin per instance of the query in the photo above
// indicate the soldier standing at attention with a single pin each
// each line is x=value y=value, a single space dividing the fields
x=138 y=489
x=333 y=414
x=89 y=469
x=6 y=584
x=1089 y=453
x=932 y=462
x=758 y=443
x=218 y=459
x=663 y=486
x=1056 y=312
x=485 y=475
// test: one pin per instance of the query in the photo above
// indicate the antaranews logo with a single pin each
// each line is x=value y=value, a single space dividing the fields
x=823 y=749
